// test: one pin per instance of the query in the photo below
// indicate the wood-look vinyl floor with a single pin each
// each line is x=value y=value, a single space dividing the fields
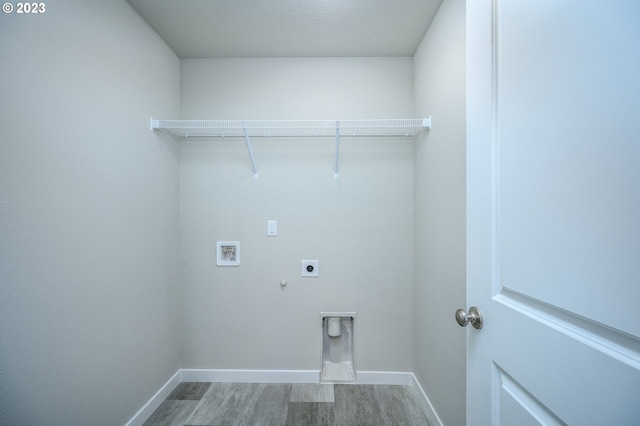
x=253 y=404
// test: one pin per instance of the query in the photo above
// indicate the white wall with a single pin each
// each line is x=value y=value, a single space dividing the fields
x=89 y=297
x=439 y=79
x=359 y=227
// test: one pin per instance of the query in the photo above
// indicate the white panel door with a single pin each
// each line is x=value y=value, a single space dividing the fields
x=553 y=181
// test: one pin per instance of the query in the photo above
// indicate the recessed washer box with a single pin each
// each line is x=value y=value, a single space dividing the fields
x=309 y=268
x=227 y=253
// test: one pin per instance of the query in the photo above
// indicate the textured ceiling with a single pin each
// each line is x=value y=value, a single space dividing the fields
x=289 y=28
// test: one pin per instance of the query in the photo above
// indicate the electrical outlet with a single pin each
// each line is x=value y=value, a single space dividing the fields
x=309 y=268
x=272 y=228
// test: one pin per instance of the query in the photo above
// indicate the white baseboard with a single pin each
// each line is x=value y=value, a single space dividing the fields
x=426 y=403
x=383 y=378
x=147 y=410
x=277 y=376
x=250 y=376
x=291 y=376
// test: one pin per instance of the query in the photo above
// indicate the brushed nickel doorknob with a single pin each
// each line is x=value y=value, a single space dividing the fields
x=474 y=317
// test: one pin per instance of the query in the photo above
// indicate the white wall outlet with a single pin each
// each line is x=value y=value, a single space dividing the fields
x=272 y=228
x=227 y=253
x=309 y=268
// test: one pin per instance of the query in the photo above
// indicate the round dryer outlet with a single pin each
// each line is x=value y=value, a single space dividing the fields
x=309 y=268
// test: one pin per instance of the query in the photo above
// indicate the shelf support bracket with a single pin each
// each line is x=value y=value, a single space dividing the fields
x=248 y=143
x=337 y=153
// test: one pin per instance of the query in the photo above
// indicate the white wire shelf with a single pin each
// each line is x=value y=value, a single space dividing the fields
x=281 y=129
x=213 y=129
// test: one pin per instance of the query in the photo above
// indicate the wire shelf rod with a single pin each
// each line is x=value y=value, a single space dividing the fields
x=186 y=137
